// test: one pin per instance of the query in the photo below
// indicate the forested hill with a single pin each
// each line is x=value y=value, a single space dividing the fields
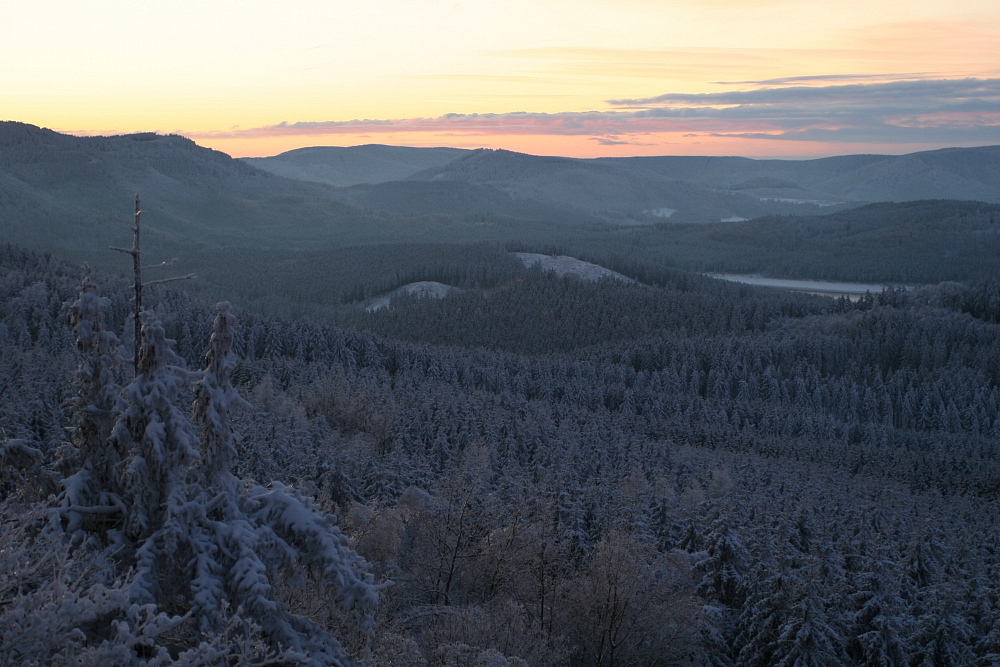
x=71 y=194
x=302 y=248
x=353 y=165
x=629 y=193
x=905 y=242
x=950 y=173
x=764 y=478
x=694 y=188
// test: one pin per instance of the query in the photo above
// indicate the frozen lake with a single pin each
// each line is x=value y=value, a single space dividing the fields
x=812 y=286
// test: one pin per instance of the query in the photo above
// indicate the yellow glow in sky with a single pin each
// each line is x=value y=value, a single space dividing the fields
x=255 y=77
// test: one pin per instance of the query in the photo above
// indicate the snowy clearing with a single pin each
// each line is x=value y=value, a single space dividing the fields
x=791 y=200
x=424 y=289
x=563 y=265
x=662 y=212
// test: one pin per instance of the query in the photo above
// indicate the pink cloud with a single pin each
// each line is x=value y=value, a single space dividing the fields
x=943 y=111
x=599 y=123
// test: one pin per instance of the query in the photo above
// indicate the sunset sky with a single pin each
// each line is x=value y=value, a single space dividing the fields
x=774 y=78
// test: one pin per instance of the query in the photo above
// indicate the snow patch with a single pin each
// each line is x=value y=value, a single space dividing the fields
x=424 y=289
x=734 y=218
x=563 y=265
x=662 y=212
x=791 y=200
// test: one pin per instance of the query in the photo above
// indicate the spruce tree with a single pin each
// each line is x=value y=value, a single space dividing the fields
x=204 y=549
x=92 y=495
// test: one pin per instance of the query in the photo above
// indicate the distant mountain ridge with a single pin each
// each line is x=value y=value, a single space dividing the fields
x=585 y=189
x=627 y=190
x=354 y=165
x=72 y=195
x=948 y=173
x=622 y=195
x=294 y=246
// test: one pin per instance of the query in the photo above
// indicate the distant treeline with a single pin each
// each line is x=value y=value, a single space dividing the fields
x=902 y=243
x=910 y=243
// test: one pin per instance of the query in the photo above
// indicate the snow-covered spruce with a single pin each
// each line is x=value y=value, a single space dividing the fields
x=203 y=546
x=92 y=495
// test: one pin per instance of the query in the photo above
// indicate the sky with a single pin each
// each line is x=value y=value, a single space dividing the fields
x=581 y=78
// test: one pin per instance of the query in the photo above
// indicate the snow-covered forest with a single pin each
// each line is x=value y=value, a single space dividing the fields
x=559 y=473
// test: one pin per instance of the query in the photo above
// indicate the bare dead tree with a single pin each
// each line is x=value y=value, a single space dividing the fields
x=137 y=268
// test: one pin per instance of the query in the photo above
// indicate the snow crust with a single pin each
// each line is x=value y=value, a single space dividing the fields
x=564 y=265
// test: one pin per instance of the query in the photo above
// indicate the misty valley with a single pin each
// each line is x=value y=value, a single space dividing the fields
x=450 y=408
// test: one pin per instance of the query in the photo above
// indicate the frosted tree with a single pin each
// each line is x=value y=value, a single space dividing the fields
x=723 y=566
x=207 y=554
x=874 y=632
x=161 y=443
x=763 y=614
x=215 y=400
x=218 y=543
x=92 y=495
x=807 y=638
x=942 y=640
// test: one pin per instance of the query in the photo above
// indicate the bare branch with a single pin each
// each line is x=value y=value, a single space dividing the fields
x=189 y=276
x=161 y=264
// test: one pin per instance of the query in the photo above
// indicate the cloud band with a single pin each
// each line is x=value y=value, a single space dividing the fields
x=949 y=111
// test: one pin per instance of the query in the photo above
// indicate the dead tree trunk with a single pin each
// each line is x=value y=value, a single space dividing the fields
x=137 y=267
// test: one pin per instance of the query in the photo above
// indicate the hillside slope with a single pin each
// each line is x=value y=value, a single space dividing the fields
x=354 y=165
x=610 y=189
x=950 y=173
x=66 y=194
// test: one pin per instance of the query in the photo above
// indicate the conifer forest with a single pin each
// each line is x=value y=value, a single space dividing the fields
x=694 y=472
x=308 y=456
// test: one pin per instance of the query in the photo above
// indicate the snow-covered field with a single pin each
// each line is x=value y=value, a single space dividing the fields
x=563 y=265
x=425 y=289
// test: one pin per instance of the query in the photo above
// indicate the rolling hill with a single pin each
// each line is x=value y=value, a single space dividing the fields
x=72 y=194
x=632 y=190
x=950 y=173
x=622 y=195
x=354 y=165
x=241 y=227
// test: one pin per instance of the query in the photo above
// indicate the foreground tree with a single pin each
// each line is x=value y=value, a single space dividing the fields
x=207 y=552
